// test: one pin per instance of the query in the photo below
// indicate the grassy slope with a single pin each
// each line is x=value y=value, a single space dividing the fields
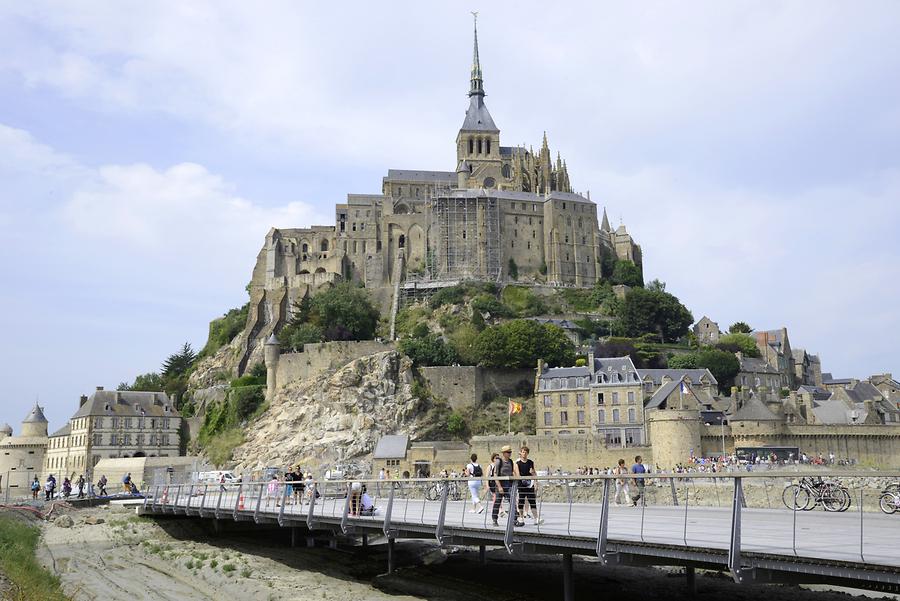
x=18 y=541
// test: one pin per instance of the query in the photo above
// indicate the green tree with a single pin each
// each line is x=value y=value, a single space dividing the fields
x=740 y=327
x=722 y=365
x=294 y=335
x=344 y=313
x=627 y=273
x=151 y=382
x=648 y=311
x=738 y=342
x=180 y=362
x=513 y=269
x=521 y=342
x=656 y=286
x=456 y=426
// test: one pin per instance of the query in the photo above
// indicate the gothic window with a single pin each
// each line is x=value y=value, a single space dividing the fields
x=479 y=145
x=402 y=241
x=324 y=246
x=471 y=145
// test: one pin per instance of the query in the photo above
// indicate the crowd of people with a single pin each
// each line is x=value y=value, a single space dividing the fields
x=85 y=488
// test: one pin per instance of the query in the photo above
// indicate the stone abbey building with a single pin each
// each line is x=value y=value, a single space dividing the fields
x=503 y=208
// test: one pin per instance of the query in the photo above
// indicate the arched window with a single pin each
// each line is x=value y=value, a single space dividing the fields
x=479 y=145
x=401 y=242
x=471 y=145
x=487 y=146
x=324 y=246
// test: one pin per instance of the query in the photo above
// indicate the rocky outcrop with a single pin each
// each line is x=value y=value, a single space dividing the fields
x=335 y=418
x=219 y=367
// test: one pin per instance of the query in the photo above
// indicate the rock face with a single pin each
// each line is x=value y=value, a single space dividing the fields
x=339 y=417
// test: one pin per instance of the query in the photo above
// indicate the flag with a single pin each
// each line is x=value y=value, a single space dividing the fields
x=514 y=407
x=684 y=387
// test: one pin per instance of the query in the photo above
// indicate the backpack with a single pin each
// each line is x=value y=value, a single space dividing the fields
x=477 y=471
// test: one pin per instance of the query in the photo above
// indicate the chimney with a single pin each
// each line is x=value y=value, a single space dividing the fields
x=99 y=388
x=82 y=400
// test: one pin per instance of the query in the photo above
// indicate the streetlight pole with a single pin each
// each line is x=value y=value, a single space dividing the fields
x=722 y=421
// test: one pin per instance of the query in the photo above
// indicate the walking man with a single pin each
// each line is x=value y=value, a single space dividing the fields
x=80 y=484
x=101 y=484
x=505 y=467
x=621 y=483
x=638 y=494
x=525 y=467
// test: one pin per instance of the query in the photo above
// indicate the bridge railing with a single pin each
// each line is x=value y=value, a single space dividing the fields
x=825 y=514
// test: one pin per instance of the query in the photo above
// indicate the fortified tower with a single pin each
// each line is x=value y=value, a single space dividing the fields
x=271 y=355
x=35 y=424
x=674 y=434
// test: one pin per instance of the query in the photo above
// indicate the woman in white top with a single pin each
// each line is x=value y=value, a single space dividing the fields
x=475 y=473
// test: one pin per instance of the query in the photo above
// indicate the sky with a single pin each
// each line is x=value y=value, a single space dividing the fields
x=752 y=149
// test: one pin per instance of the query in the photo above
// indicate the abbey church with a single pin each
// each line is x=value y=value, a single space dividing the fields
x=506 y=213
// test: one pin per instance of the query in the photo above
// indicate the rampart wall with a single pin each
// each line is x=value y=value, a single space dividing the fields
x=462 y=385
x=322 y=357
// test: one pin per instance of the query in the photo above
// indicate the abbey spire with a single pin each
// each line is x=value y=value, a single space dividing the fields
x=476 y=84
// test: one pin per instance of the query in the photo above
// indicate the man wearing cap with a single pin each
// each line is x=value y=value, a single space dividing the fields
x=504 y=467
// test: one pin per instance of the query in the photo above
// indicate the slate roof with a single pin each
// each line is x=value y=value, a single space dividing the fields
x=64 y=431
x=391 y=447
x=835 y=411
x=816 y=392
x=864 y=391
x=657 y=375
x=563 y=323
x=421 y=176
x=127 y=403
x=478 y=118
x=36 y=416
x=756 y=366
x=506 y=151
x=565 y=372
x=753 y=410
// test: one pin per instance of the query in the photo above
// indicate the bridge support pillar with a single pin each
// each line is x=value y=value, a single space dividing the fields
x=365 y=540
x=691 y=581
x=568 y=578
x=293 y=536
x=390 y=546
x=217 y=527
x=482 y=556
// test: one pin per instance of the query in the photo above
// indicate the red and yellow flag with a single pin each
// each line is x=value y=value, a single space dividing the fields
x=514 y=407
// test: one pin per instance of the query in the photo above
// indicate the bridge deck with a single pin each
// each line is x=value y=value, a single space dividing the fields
x=813 y=543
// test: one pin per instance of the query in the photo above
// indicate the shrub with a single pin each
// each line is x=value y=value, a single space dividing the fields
x=224 y=329
x=428 y=350
x=485 y=303
x=452 y=295
x=627 y=273
x=522 y=302
x=648 y=311
x=344 y=313
x=738 y=342
x=513 y=269
x=295 y=335
x=228 y=567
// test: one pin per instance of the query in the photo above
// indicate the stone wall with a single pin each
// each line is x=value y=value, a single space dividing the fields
x=462 y=385
x=566 y=452
x=317 y=359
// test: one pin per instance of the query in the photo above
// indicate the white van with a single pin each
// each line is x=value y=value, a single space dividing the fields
x=215 y=477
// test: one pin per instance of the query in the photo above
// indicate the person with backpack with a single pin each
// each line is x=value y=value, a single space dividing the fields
x=504 y=467
x=475 y=473
x=638 y=494
x=621 y=483
x=101 y=485
x=35 y=488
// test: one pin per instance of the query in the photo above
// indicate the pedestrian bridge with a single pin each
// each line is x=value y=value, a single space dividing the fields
x=729 y=522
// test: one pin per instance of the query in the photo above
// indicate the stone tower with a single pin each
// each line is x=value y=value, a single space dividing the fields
x=35 y=424
x=272 y=354
x=478 y=141
x=5 y=431
x=674 y=434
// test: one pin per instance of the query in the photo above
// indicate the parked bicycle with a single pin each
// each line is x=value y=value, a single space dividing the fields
x=433 y=492
x=889 y=502
x=810 y=493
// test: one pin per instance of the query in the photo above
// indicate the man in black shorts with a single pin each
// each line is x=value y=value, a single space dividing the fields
x=526 y=487
x=504 y=467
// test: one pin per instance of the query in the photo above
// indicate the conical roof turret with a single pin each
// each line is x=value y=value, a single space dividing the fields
x=36 y=416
